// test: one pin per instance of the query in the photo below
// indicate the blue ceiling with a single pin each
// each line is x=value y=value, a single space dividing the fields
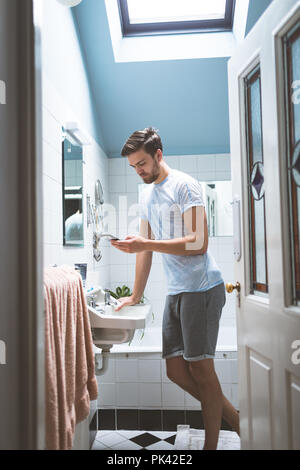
x=186 y=100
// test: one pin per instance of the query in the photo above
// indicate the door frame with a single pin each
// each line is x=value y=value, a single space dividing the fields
x=31 y=377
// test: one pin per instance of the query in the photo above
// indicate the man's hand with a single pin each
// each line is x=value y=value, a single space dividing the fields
x=131 y=244
x=131 y=300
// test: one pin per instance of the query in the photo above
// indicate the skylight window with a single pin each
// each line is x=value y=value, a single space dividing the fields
x=157 y=11
x=147 y=17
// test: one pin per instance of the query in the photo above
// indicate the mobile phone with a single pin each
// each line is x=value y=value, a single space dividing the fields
x=109 y=235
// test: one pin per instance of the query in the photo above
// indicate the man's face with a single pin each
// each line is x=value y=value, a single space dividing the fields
x=145 y=166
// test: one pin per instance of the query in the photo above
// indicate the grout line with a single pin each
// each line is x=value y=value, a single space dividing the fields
x=116 y=419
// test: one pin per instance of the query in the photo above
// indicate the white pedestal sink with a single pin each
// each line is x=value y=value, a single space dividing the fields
x=111 y=327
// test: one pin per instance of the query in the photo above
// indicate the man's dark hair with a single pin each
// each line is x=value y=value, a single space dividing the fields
x=147 y=140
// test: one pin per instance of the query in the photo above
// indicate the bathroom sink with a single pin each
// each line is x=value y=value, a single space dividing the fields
x=111 y=327
x=129 y=317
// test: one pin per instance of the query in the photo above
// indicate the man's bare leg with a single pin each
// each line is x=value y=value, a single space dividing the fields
x=178 y=371
x=210 y=391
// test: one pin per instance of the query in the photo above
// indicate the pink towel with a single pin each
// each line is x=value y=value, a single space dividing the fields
x=69 y=357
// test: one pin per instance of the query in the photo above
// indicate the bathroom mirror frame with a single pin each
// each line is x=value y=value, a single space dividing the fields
x=72 y=192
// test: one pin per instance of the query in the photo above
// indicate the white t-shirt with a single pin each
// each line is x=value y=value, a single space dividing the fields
x=162 y=205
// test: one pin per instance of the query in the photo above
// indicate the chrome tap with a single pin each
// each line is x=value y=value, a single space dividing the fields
x=107 y=299
x=91 y=300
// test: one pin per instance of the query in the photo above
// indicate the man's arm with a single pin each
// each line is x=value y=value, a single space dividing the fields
x=142 y=269
x=143 y=263
x=194 y=243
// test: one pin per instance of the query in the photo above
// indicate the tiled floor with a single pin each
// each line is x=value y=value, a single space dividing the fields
x=134 y=440
x=154 y=440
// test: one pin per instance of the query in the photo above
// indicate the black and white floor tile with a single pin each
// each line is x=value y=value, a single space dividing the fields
x=134 y=440
x=155 y=440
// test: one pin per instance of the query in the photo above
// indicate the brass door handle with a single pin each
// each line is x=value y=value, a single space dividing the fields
x=230 y=287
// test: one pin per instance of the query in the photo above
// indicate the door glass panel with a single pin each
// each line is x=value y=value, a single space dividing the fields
x=260 y=241
x=256 y=121
x=256 y=186
x=291 y=44
x=295 y=53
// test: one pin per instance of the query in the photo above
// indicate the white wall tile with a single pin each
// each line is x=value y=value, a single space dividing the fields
x=155 y=321
x=155 y=290
x=118 y=272
x=227 y=270
x=48 y=227
x=127 y=394
x=128 y=169
x=165 y=379
x=235 y=396
x=234 y=371
x=150 y=394
x=50 y=255
x=158 y=306
x=223 y=162
x=190 y=402
x=156 y=257
x=157 y=310
x=194 y=175
x=223 y=176
x=227 y=320
x=106 y=394
x=206 y=176
x=127 y=370
x=117 y=184
x=130 y=274
x=229 y=308
x=118 y=257
x=172 y=161
x=206 y=163
x=52 y=130
x=223 y=370
x=52 y=165
x=117 y=166
x=213 y=246
x=149 y=370
x=157 y=273
x=52 y=195
x=132 y=182
x=172 y=395
x=226 y=249
x=110 y=374
x=226 y=389
x=188 y=163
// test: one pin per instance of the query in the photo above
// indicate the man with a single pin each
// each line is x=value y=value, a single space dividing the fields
x=173 y=222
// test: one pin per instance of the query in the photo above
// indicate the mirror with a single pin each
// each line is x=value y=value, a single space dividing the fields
x=72 y=192
x=218 y=196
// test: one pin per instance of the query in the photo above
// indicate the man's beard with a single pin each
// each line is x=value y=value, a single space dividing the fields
x=154 y=175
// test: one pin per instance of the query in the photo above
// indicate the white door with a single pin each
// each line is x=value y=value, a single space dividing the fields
x=264 y=101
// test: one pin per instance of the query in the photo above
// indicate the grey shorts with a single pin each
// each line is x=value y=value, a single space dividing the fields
x=191 y=323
